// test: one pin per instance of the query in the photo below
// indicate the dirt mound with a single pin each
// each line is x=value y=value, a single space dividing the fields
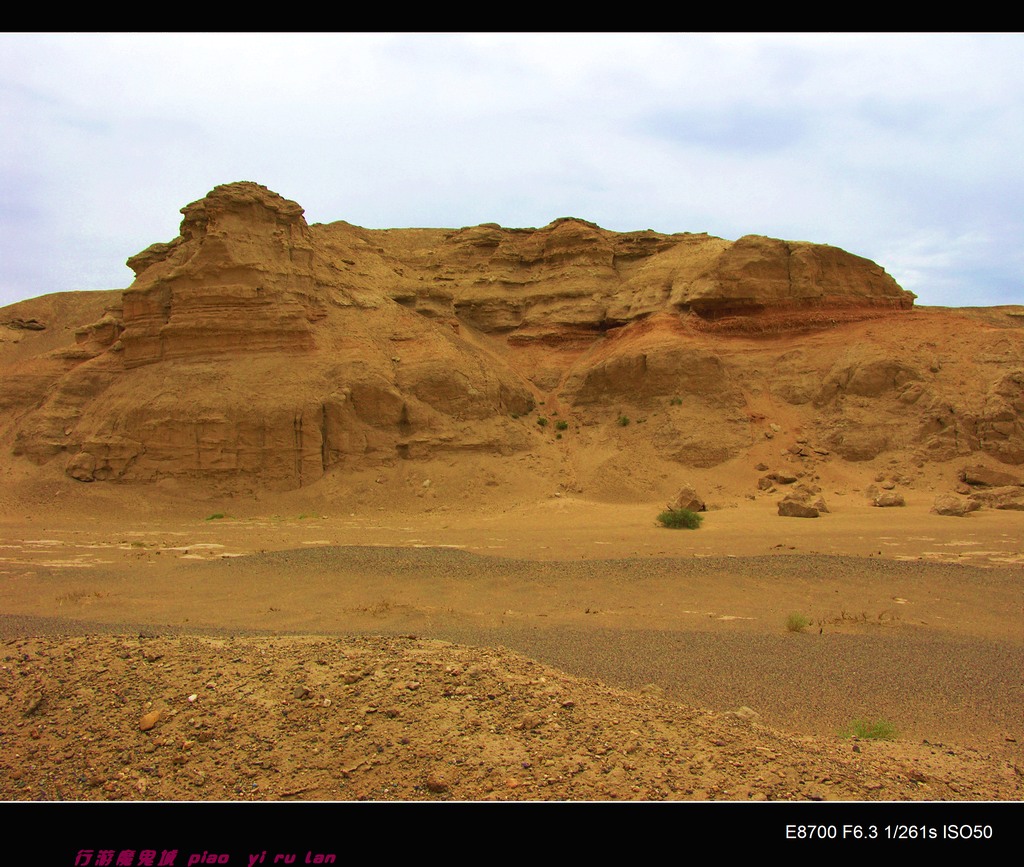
x=201 y=718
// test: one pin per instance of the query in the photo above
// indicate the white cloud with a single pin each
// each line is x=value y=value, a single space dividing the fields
x=875 y=143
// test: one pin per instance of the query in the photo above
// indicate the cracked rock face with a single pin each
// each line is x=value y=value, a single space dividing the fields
x=256 y=349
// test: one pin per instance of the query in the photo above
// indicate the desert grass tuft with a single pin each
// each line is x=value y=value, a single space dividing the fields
x=678 y=519
x=874 y=730
x=797 y=622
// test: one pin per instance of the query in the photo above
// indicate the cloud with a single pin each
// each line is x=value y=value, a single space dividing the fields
x=899 y=144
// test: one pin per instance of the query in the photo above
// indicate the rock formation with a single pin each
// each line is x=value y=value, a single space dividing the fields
x=256 y=350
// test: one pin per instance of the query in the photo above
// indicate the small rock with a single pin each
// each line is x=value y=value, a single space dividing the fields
x=300 y=692
x=531 y=721
x=742 y=714
x=436 y=783
x=149 y=720
x=888 y=499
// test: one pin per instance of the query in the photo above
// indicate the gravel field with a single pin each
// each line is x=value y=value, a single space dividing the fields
x=368 y=698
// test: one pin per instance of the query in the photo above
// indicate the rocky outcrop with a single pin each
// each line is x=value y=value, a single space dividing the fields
x=255 y=349
x=24 y=324
x=573 y=276
x=756 y=274
x=1008 y=497
x=1000 y=424
x=239 y=278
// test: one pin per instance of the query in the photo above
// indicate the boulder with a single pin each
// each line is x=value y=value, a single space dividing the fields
x=982 y=476
x=793 y=508
x=688 y=499
x=889 y=498
x=803 y=501
x=953 y=506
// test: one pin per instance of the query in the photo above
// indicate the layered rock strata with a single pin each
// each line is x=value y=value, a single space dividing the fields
x=255 y=349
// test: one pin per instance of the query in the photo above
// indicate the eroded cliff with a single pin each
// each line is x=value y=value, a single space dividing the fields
x=257 y=350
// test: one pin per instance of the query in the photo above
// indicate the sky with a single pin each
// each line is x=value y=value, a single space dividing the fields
x=904 y=148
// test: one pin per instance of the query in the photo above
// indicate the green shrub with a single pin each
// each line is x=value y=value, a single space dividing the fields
x=875 y=730
x=216 y=516
x=623 y=421
x=677 y=519
x=543 y=422
x=797 y=622
x=561 y=425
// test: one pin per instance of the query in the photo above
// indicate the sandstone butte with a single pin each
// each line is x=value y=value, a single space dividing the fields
x=256 y=352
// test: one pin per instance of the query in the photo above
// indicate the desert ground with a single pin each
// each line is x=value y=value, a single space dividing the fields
x=222 y=648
